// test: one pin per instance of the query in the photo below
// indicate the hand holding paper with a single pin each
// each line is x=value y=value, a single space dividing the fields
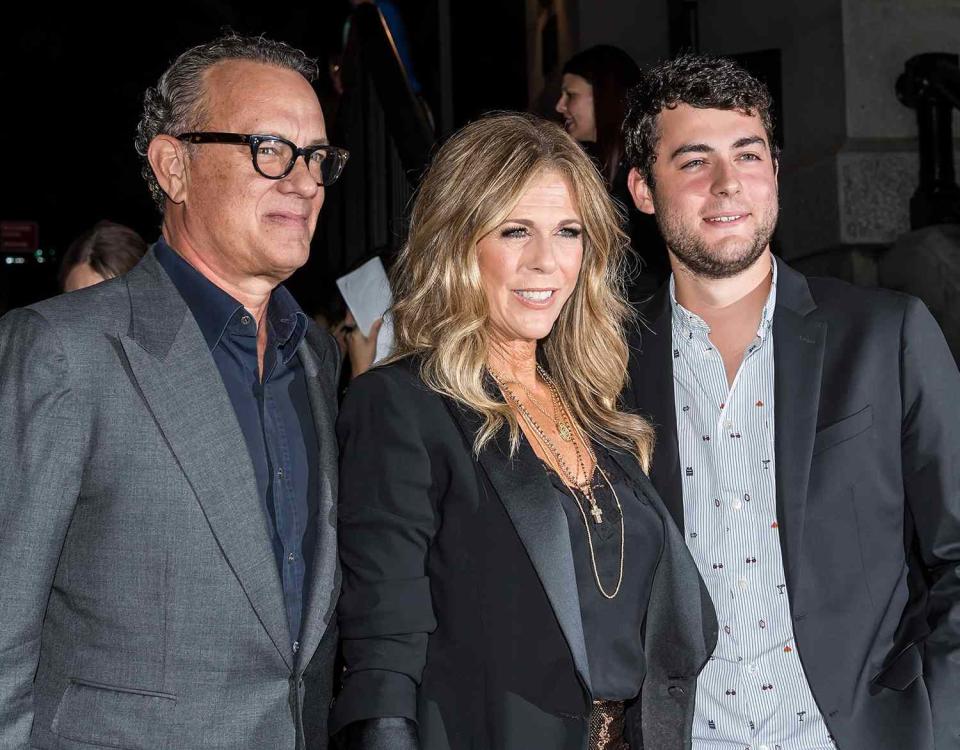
x=367 y=294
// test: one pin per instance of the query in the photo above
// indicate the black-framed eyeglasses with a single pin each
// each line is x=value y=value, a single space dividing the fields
x=275 y=157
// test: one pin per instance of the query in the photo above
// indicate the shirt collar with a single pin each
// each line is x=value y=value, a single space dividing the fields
x=687 y=321
x=214 y=309
x=288 y=323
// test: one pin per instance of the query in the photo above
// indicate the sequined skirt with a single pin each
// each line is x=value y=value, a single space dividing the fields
x=606 y=726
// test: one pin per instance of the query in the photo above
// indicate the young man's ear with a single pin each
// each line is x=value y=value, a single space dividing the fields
x=167 y=158
x=640 y=191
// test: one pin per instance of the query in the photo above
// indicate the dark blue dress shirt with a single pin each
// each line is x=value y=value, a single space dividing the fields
x=273 y=411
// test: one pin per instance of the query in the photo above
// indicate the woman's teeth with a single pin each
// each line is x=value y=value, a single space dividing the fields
x=534 y=296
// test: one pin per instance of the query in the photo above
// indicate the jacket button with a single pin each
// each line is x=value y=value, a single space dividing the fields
x=676 y=691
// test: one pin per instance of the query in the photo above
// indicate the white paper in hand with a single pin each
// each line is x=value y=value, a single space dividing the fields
x=367 y=293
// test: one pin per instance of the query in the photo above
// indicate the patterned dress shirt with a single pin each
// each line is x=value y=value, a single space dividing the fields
x=753 y=693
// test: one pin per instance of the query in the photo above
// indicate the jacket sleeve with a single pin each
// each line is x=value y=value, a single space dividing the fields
x=931 y=469
x=378 y=734
x=42 y=445
x=387 y=521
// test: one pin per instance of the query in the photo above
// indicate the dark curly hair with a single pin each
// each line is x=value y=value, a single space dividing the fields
x=700 y=81
x=175 y=104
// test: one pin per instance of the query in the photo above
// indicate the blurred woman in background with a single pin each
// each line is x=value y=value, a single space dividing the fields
x=593 y=105
x=100 y=253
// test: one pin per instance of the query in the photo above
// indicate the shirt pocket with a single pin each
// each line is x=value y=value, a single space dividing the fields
x=843 y=430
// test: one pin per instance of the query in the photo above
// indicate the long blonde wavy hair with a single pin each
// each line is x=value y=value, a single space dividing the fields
x=441 y=312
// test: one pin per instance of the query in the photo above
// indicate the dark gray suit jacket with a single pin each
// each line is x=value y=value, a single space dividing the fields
x=141 y=606
x=868 y=499
x=460 y=607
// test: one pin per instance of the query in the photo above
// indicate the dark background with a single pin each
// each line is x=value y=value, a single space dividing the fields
x=72 y=83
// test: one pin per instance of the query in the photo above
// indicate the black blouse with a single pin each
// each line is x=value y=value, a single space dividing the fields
x=612 y=628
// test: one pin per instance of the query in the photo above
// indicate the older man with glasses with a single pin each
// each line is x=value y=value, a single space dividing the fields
x=167 y=503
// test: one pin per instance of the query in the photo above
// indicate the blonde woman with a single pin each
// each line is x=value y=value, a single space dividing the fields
x=511 y=579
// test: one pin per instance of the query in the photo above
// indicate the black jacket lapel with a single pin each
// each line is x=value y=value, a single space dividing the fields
x=798 y=340
x=681 y=624
x=528 y=496
x=650 y=393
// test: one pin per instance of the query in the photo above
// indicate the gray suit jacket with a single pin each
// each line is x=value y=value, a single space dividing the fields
x=140 y=604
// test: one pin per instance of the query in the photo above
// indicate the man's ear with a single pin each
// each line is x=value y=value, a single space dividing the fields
x=640 y=191
x=168 y=159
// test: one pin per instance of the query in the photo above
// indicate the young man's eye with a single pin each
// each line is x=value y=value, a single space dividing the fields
x=749 y=157
x=693 y=163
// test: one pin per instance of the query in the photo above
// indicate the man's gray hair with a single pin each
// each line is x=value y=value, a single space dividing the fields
x=176 y=104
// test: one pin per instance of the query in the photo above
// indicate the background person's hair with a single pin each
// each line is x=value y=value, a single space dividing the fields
x=611 y=72
x=700 y=81
x=109 y=249
x=441 y=312
x=176 y=104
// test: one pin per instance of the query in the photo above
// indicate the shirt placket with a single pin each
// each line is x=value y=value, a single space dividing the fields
x=288 y=521
x=743 y=427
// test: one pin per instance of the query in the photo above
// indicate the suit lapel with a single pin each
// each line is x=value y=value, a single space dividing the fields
x=681 y=625
x=180 y=383
x=651 y=374
x=798 y=344
x=325 y=586
x=528 y=497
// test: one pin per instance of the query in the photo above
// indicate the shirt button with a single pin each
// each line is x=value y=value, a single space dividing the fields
x=245 y=320
x=280 y=472
x=296 y=646
x=291 y=557
x=751 y=668
x=763 y=747
x=737 y=504
x=742 y=583
x=728 y=424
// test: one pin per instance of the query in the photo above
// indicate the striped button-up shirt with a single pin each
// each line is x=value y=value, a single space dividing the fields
x=753 y=693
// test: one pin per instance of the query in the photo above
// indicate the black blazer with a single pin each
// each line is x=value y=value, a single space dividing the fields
x=460 y=607
x=868 y=500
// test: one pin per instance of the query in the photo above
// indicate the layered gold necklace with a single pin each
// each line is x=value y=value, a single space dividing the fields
x=569 y=431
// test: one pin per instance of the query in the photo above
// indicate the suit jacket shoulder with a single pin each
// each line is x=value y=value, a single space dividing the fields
x=845 y=301
x=87 y=312
x=399 y=379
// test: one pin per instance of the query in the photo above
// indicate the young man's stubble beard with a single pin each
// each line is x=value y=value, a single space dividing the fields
x=692 y=250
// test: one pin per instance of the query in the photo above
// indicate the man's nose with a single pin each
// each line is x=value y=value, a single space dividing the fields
x=726 y=180
x=300 y=179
